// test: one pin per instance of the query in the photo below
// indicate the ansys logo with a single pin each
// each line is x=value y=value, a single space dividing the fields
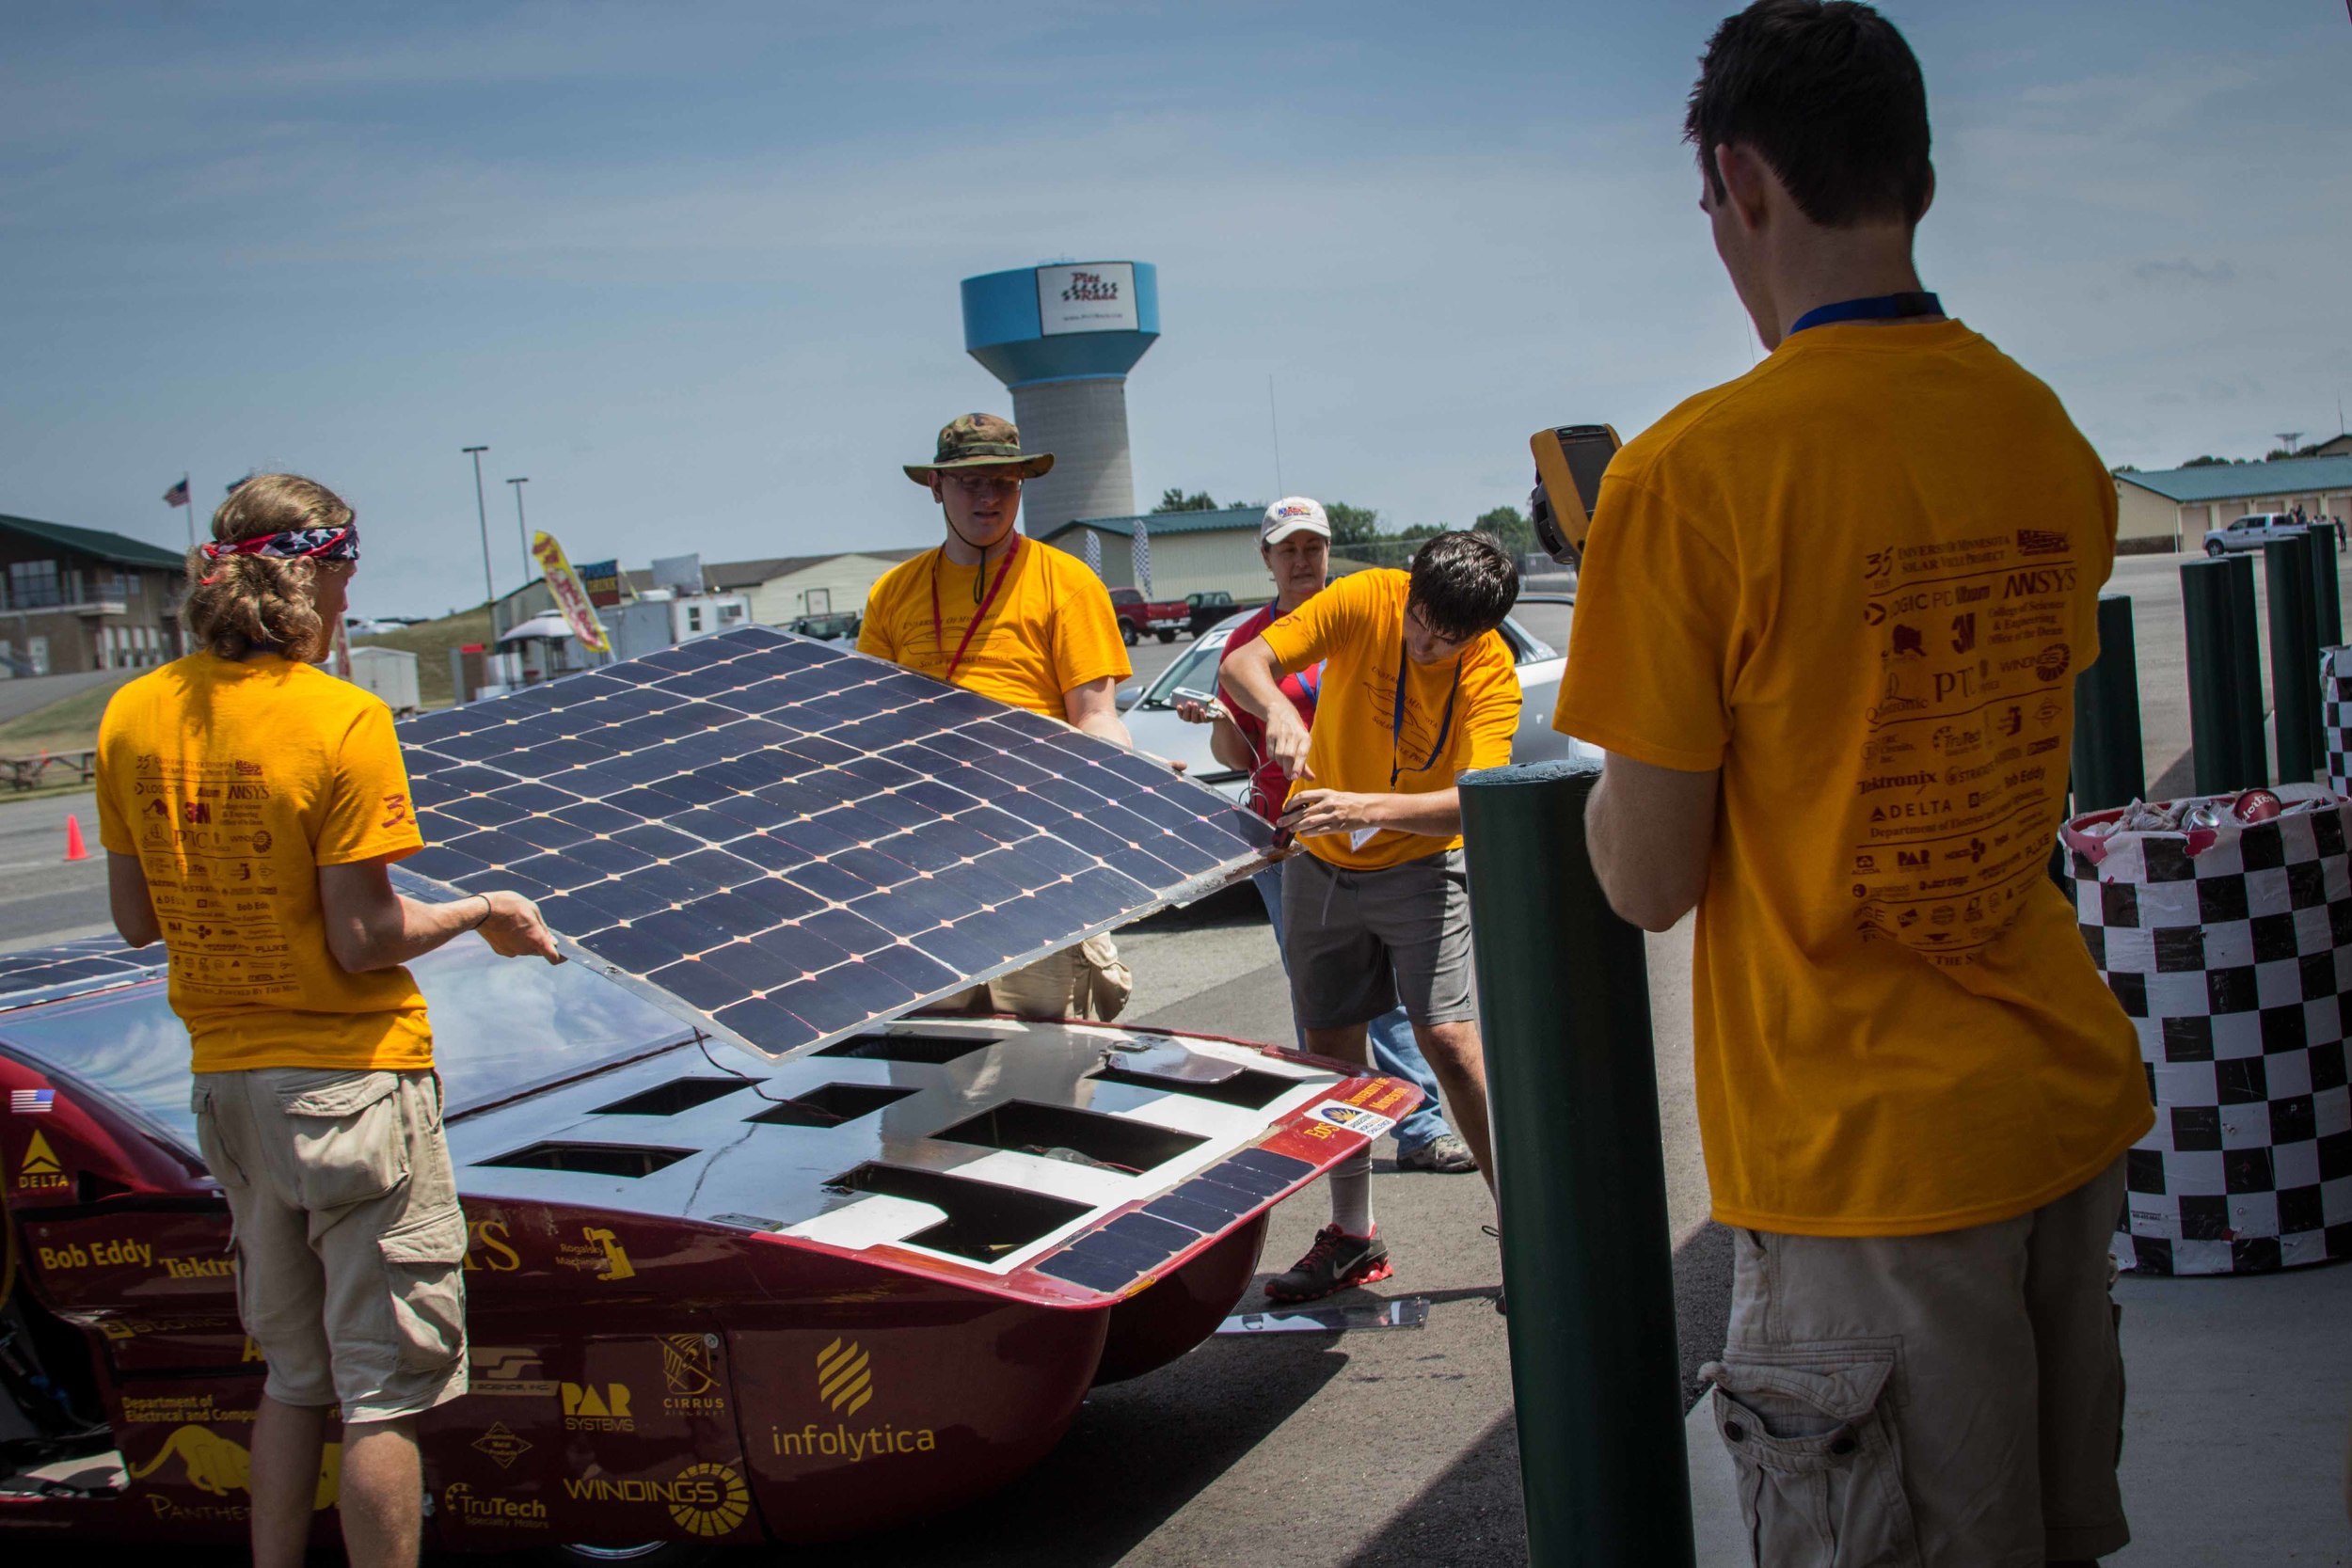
x=844 y=1381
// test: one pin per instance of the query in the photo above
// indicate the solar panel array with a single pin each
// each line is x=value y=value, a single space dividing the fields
x=87 y=963
x=797 y=841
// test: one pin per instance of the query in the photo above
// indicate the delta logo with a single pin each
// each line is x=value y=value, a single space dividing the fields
x=40 y=1172
x=588 y=1407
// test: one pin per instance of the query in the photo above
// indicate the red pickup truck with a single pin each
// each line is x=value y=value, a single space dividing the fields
x=1139 y=617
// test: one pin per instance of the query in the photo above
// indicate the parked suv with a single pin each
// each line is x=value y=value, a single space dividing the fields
x=2250 y=533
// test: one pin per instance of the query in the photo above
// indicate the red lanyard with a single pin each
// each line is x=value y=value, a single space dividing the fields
x=939 y=637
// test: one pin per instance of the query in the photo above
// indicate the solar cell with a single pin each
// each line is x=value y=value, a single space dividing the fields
x=799 y=841
x=87 y=963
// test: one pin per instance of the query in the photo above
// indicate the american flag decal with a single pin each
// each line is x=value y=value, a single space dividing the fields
x=32 y=1102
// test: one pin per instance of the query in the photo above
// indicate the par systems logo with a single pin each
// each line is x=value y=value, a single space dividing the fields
x=586 y=1409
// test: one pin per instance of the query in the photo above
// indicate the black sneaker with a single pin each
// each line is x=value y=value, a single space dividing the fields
x=1336 y=1261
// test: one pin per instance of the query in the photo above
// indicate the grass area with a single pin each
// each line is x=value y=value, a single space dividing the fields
x=431 y=641
x=69 y=725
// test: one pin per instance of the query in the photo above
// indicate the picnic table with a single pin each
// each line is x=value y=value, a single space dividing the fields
x=32 y=772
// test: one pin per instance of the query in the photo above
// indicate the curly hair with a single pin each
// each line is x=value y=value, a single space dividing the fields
x=241 y=603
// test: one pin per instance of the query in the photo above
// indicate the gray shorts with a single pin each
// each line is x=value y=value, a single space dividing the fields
x=350 y=1241
x=1359 y=943
x=1951 y=1400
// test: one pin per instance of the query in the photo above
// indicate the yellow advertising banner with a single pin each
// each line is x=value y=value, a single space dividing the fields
x=570 y=597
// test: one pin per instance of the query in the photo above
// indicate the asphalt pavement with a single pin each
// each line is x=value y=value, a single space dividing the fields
x=44 y=896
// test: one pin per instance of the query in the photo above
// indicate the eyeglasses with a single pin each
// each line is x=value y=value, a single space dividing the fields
x=981 y=483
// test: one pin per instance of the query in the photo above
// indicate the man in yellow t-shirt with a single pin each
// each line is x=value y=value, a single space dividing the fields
x=1023 y=623
x=1826 y=631
x=250 y=805
x=1418 y=688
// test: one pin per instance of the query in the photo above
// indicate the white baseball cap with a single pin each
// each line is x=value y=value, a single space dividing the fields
x=1293 y=514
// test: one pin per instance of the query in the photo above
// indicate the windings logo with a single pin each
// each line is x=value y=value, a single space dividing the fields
x=845 y=1380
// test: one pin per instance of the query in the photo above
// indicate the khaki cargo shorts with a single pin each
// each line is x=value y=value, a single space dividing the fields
x=1951 y=1401
x=350 y=1241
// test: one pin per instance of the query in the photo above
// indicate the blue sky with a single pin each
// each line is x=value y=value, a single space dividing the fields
x=692 y=268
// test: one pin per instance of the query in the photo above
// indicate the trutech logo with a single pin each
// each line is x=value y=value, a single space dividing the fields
x=844 y=1377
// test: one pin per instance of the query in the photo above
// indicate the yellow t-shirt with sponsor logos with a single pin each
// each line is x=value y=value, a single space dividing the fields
x=1357 y=628
x=1050 y=626
x=232 y=782
x=1860 y=580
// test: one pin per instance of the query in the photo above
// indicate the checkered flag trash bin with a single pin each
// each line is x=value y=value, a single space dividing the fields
x=2335 y=715
x=2231 y=947
x=1141 y=557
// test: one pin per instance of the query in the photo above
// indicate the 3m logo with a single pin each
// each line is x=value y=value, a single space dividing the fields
x=586 y=1409
x=2037 y=541
x=844 y=1381
x=197 y=813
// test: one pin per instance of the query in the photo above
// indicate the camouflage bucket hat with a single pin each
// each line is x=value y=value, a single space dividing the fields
x=981 y=441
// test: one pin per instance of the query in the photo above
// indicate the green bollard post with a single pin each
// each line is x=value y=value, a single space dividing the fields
x=2224 y=691
x=2327 y=586
x=2294 y=656
x=1587 y=1260
x=2111 y=766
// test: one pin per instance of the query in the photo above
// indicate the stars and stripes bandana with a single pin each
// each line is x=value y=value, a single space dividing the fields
x=315 y=544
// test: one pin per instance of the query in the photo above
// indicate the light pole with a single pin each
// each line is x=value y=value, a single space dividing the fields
x=482 y=514
x=521 y=531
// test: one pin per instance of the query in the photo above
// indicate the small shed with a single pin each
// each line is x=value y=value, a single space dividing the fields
x=390 y=673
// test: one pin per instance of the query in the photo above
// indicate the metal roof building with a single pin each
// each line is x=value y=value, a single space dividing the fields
x=2180 y=504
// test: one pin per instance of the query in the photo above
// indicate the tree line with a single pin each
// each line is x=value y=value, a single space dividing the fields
x=1363 y=526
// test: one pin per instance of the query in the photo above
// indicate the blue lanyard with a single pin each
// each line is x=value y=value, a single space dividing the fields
x=1878 y=308
x=1396 y=717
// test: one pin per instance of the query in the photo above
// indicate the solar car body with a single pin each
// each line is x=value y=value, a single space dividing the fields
x=712 y=1297
x=718 y=1292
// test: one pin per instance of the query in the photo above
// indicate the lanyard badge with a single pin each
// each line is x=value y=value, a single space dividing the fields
x=939 y=637
x=1396 y=717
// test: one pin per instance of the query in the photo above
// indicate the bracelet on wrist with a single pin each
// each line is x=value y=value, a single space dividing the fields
x=487 y=909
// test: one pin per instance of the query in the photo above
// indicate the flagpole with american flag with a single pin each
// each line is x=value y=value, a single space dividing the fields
x=178 y=495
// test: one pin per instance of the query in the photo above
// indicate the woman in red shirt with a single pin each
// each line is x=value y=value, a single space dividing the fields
x=1295 y=541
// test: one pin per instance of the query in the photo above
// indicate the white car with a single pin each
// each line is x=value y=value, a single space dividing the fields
x=1150 y=707
x=2252 y=532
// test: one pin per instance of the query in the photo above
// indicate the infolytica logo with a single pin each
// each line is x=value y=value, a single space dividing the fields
x=845 y=1380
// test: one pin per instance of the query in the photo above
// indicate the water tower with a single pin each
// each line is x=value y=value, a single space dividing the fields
x=1063 y=339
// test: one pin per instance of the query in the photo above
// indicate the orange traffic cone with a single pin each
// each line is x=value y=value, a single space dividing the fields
x=75 y=849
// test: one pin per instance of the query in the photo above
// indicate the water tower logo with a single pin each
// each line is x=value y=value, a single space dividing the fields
x=1090 y=288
